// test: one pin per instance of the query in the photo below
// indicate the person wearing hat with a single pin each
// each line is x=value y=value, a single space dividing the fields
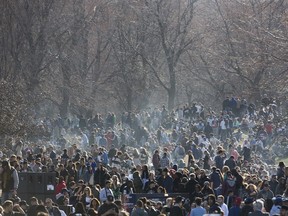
x=248 y=206
x=10 y=181
x=177 y=208
x=108 y=208
x=106 y=191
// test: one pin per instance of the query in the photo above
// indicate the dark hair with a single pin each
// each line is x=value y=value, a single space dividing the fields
x=79 y=208
x=41 y=208
x=212 y=196
x=143 y=199
x=139 y=203
x=198 y=201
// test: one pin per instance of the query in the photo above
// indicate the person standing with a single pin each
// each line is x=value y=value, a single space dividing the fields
x=52 y=209
x=10 y=181
x=139 y=209
x=8 y=209
x=258 y=207
x=222 y=205
x=199 y=210
x=106 y=191
x=156 y=160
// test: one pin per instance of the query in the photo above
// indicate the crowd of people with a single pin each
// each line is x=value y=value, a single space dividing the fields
x=216 y=162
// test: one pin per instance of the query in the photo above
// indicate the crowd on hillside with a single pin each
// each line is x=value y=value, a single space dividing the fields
x=217 y=162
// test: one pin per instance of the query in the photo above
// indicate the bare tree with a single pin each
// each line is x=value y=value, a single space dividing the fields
x=169 y=36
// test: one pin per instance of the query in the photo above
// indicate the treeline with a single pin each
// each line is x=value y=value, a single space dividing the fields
x=78 y=56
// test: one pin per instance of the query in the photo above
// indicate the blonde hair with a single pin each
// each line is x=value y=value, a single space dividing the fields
x=89 y=191
x=253 y=186
x=169 y=200
x=225 y=169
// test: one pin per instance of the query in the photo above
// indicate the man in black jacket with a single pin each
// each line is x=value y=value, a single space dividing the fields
x=230 y=162
x=177 y=208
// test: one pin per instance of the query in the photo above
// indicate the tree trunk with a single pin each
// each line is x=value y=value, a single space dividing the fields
x=171 y=98
x=172 y=89
x=64 y=106
x=129 y=100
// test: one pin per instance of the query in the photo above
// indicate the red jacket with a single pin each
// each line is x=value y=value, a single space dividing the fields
x=59 y=187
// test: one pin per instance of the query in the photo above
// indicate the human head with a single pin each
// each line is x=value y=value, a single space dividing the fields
x=23 y=204
x=179 y=200
x=108 y=184
x=110 y=199
x=220 y=199
x=266 y=186
x=119 y=204
x=48 y=203
x=5 y=165
x=198 y=201
x=237 y=201
x=139 y=204
x=211 y=199
x=284 y=211
x=258 y=205
x=8 y=206
x=33 y=201
x=88 y=191
x=79 y=208
x=165 y=172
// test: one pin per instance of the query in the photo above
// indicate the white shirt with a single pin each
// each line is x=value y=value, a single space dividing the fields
x=224 y=208
x=104 y=192
x=222 y=125
x=62 y=212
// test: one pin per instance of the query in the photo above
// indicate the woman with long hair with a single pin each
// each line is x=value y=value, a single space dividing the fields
x=87 y=197
x=94 y=204
x=151 y=178
x=197 y=192
x=79 y=209
x=116 y=187
x=161 y=190
x=225 y=169
x=251 y=190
